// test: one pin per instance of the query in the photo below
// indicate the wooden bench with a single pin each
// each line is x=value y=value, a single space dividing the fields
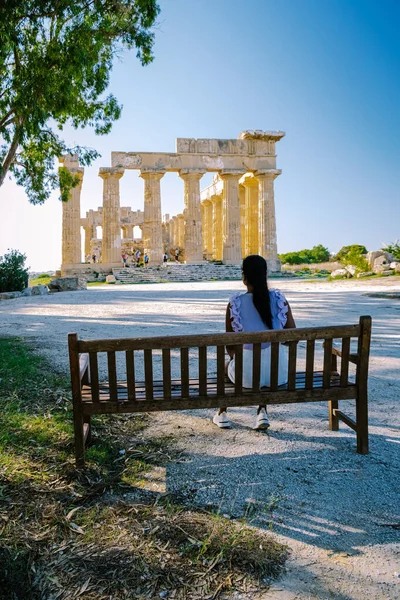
x=209 y=387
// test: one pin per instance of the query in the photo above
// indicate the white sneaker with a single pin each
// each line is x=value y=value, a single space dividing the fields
x=262 y=421
x=222 y=420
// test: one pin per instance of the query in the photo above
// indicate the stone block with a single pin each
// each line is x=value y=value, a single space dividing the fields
x=67 y=284
x=27 y=292
x=351 y=269
x=10 y=295
x=40 y=290
x=110 y=279
x=364 y=274
x=396 y=266
x=340 y=273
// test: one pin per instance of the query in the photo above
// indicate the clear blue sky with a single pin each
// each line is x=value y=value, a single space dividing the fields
x=325 y=71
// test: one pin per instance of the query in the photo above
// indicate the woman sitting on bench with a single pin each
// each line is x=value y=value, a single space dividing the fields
x=258 y=309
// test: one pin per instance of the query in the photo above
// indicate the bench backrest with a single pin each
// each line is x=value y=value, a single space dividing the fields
x=85 y=352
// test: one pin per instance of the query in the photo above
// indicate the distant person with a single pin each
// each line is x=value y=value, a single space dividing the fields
x=258 y=309
x=165 y=258
x=94 y=258
x=146 y=259
x=177 y=255
x=124 y=258
x=137 y=257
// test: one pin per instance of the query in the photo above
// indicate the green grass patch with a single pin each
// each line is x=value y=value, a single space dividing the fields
x=67 y=533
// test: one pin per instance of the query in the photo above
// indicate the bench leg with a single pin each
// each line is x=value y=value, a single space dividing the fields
x=362 y=423
x=87 y=429
x=79 y=437
x=333 y=420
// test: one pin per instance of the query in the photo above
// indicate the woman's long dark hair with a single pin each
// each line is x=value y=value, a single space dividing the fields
x=255 y=272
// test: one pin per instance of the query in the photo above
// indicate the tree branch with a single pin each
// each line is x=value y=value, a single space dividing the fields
x=10 y=156
x=5 y=118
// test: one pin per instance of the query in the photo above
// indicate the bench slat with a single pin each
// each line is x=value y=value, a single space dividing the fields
x=327 y=363
x=202 y=371
x=344 y=367
x=256 y=367
x=310 y=363
x=238 y=369
x=148 y=374
x=185 y=372
x=94 y=376
x=220 y=369
x=166 y=365
x=292 y=365
x=112 y=375
x=130 y=373
x=274 y=366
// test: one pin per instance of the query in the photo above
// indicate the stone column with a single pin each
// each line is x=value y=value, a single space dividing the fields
x=152 y=225
x=88 y=238
x=232 y=245
x=128 y=232
x=111 y=242
x=251 y=215
x=181 y=231
x=217 y=244
x=207 y=227
x=243 y=224
x=193 y=233
x=267 y=222
x=71 y=216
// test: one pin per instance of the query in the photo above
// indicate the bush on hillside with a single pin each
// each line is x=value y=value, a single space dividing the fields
x=356 y=259
x=317 y=254
x=355 y=249
x=393 y=248
x=13 y=273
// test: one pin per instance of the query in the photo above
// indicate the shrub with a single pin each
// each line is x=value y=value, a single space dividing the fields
x=353 y=248
x=355 y=258
x=317 y=254
x=393 y=248
x=13 y=273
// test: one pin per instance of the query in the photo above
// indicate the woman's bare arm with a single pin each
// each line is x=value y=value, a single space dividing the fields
x=228 y=329
x=290 y=324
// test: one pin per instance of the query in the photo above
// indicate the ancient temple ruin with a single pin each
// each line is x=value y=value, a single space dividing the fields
x=226 y=221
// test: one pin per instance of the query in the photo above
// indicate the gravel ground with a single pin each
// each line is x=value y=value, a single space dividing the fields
x=339 y=512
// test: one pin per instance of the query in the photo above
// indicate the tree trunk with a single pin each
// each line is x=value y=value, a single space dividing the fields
x=9 y=158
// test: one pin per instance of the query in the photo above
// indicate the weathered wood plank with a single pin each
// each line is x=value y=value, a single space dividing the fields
x=292 y=365
x=166 y=366
x=112 y=375
x=226 y=339
x=256 y=367
x=238 y=369
x=347 y=420
x=94 y=376
x=279 y=397
x=148 y=373
x=310 y=363
x=185 y=372
x=202 y=371
x=130 y=373
x=274 y=366
x=344 y=367
x=220 y=370
x=327 y=363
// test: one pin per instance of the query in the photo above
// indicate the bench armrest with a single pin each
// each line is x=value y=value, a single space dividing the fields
x=353 y=358
x=83 y=365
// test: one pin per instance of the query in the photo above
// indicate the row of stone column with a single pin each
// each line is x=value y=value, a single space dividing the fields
x=228 y=226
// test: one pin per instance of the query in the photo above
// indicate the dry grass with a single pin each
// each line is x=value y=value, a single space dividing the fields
x=73 y=534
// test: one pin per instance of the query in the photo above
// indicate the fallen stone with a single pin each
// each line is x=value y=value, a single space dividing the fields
x=351 y=269
x=27 y=292
x=10 y=295
x=110 y=279
x=396 y=266
x=67 y=284
x=40 y=290
x=340 y=273
x=387 y=272
x=365 y=274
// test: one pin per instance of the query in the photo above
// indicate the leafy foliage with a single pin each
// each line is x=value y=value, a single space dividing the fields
x=317 y=254
x=55 y=62
x=13 y=273
x=354 y=249
x=393 y=248
x=357 y=259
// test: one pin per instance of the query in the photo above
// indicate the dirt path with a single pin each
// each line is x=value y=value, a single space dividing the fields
x=336 y=510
